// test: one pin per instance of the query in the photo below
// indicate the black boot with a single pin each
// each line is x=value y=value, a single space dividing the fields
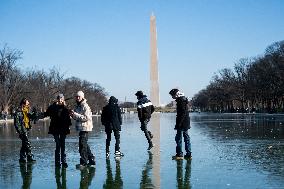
x=31 y=159
x=188 y=156
x=64 y=165
x=57 y=159
x=151 y=145
x=150 y=134
x=92 y=161
x=63 y=161
x=22 y=160
x=22 y=157
x=107 y=153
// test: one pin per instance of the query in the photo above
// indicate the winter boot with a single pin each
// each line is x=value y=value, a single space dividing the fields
x=31 y=159
x=107 y=154
x=63 y=161
x=118 y=154
x=92 y=161
x=188 y=156
x=151 y=145
x=57 y=159
x=150 y=134
x=177 y=157
x=22 y=160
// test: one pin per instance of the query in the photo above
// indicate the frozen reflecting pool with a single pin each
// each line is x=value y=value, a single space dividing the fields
x=229 y=151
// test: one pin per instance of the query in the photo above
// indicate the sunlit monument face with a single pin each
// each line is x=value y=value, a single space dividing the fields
x=154 y=71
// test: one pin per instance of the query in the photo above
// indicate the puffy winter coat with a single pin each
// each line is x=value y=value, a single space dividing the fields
x=182 y=117
x=60 y=119
x=19 y=121
x=145 y=108
x=111 y=116
x=83 y=116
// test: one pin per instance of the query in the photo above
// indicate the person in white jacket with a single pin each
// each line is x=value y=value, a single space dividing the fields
x=82 y=114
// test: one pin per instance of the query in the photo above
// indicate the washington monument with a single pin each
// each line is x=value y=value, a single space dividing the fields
x=154 y=71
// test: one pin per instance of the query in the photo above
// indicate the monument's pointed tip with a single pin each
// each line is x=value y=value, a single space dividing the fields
x=152 y=15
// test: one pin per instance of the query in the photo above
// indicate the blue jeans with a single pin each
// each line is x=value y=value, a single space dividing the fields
x=186 y=139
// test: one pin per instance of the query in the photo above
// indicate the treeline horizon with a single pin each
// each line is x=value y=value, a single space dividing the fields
x=41 y=87
x=254 y=85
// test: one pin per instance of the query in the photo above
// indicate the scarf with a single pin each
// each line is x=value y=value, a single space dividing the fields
x=26 y=119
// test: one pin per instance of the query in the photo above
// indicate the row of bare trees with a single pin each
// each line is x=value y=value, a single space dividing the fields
x=253 y=85
x=41 y=87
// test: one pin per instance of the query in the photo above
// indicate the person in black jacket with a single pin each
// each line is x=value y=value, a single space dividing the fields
x=145 y=108
x=22 y=122
x=182 y=124
x=111 y=119
x=59 y=128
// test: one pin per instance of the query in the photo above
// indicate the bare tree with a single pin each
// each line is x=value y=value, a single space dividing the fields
x=94 y=93
x=11 y=78
x=256 y=83
x=41 y=87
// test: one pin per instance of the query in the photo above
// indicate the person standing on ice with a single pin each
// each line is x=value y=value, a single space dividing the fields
x=182 y=124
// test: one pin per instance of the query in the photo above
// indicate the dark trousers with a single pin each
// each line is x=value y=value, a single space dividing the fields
x=25 y=151
x=84 y=149
x=60 y=148
x=147 y=133
x=186 y=139
x=117 y=139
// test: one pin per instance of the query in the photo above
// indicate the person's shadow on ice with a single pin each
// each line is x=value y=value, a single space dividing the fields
x=116 y=182
x=87 y=175
x=60 y=177
x=26 y=170
x=146 y=180
x=183 y=181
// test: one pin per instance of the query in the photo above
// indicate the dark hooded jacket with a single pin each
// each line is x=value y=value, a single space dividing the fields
x=111 y=116
x=60 y=119
x=145 y=108
x=182 y=117
x=19 y=121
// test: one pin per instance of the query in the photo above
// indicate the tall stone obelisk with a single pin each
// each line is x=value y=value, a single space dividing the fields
x=154 y=71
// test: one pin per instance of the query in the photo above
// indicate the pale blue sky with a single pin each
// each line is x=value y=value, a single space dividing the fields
x=108 y=41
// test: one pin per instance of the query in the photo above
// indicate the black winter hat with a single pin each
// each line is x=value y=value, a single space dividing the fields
x=173 y=92
x=139 y=93
x=59 y=96
x=112 y=99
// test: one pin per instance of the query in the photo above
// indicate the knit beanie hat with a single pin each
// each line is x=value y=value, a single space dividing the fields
x=139 y=94
x=80 y=93
x=60 y=96
x=173 y=92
